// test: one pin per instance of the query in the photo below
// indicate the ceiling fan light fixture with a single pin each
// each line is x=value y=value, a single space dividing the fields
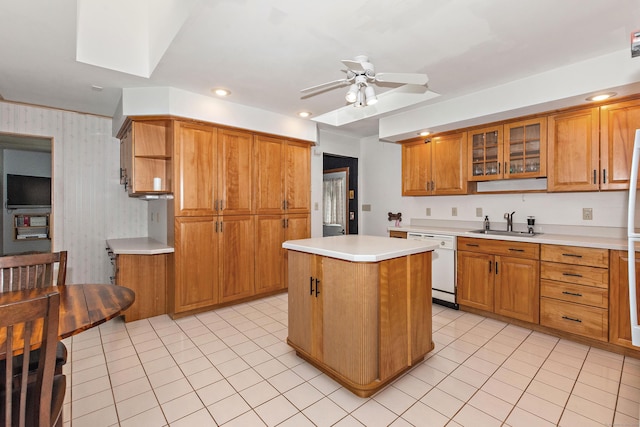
x=359 y=100
x=370 y=95
x=352 y=93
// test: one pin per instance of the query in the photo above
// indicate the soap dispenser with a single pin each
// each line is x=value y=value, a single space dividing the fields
x=487 y=226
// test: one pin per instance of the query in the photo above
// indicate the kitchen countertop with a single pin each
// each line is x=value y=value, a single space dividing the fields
x=138 y=246
x=359 y=248
x=547 y=238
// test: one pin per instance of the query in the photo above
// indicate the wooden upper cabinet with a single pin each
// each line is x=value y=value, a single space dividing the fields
x=269 y=173
x=525 y=149
x=145 y=154
x=297 y=173
x=449 y=159
x=416 y=168
x=195 y=169
x=573 y=152
x=486 y=154
x=235 y=167
x=435 y=166
x=618 y=124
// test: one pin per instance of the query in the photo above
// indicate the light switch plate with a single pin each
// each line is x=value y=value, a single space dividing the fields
x=454 y=211
x=479 y=212
x=428 y=212
x=366 y=208
x=587 y=214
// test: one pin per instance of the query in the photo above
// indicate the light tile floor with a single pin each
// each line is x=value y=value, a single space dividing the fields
x=232 y=367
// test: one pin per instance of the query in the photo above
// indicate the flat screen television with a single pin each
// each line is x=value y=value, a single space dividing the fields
x=28 y=191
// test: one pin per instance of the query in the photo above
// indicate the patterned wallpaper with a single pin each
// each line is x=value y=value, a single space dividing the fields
x=89 y=204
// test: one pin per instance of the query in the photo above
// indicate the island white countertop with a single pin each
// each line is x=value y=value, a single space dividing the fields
x=359 y=248
x=138 y=246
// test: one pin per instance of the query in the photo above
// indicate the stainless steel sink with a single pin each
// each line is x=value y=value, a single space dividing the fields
x=504 y=233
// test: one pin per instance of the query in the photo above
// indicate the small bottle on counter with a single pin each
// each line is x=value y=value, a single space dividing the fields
x=487 y=225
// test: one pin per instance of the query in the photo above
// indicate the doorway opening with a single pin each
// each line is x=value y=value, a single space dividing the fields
x=26 y=227
x=340 y=195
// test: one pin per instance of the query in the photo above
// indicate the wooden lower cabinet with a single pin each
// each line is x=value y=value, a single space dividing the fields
x=363 y=324
x=575 y=290
x=271 y=232
x=147 y=276
x=196 y=264
x=619 y=322
x=505 y=285
x=236 y=246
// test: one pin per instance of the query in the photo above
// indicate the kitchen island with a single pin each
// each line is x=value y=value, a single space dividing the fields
x=360 y=307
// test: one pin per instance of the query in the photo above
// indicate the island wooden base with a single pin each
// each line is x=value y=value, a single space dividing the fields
x=361 y=323
x=361 y=390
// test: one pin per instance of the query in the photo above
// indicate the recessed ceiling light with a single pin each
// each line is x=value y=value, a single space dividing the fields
x=601 y=97
x=424 y=133
x=304 y=114
x=97 y=88
x=221 y=92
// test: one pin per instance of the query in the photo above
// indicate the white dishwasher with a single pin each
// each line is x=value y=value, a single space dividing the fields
x=443 y=271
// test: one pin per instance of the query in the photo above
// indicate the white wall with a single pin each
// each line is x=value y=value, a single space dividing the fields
x=32 y=163
x=89 y=204
x=381 y=176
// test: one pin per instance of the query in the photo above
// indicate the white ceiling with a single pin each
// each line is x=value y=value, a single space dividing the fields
x=266 y=51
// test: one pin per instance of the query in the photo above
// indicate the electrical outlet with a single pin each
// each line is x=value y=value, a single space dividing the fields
x=587 y=214
x=454 y=211
x=428 y=212
x=366 y=208
x=479 y=212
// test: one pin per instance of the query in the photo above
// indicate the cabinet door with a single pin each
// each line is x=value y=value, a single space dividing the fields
x=416 y=168
x=303 y=322
x=449 y=164
x=297 y=227
x=619 y=322
x=297 y=173
x=485 y=154
x=269 y=270
x=126 y=157
x=235 y=166
x=146 y=275
x=525 y=149
x=517 y=289
x=475 y=280
x=269 y=173
x=196 y=264
x=618 y=124
x=194 y=169
x=573 y=154
x=237 y=250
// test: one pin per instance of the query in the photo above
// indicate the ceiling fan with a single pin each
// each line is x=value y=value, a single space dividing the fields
x=360 y=75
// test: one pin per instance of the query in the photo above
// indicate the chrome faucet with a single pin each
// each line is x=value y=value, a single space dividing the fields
x=509 y=218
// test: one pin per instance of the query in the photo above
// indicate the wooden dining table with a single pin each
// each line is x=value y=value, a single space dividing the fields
x=82 y=306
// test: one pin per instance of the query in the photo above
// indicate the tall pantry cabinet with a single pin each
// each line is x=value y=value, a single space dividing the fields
x=236 y=199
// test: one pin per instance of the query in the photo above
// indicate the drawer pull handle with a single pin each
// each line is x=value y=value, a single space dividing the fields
x=573 y=255
x=572 y=274
x=572 y=319
x=516 y=250
x=575 y=294
x=475 y=245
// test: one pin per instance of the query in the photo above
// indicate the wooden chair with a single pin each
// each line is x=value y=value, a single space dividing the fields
x=27 y=402
x=30 y=271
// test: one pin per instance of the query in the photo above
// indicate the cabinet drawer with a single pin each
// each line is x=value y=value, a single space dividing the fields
x=575 y=255
x=591 y=322
x=398 y=234
x=597 y=297
x=499 y=247
x=582 y=275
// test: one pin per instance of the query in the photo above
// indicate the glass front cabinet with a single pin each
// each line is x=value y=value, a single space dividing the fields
x=510 y=151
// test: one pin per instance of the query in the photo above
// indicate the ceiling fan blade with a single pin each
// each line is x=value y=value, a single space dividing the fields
x=353 y=65
x=326 y=85
x=405 y=78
